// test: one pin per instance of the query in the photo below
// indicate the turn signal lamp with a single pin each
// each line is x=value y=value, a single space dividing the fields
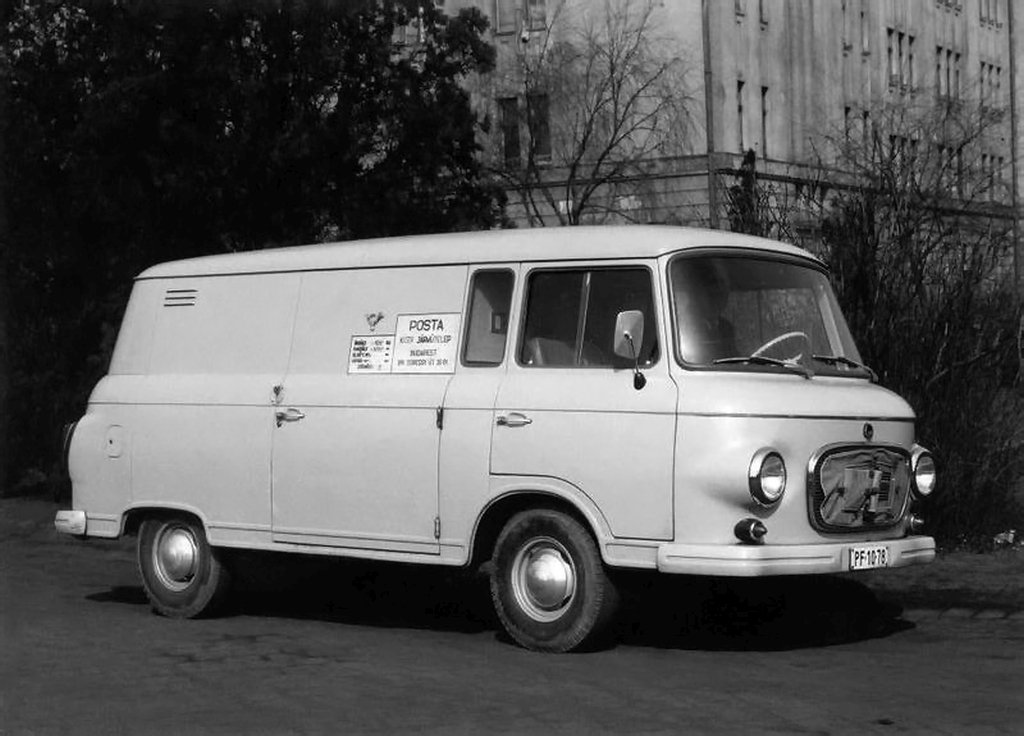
x=750 y=531
x=924 y=471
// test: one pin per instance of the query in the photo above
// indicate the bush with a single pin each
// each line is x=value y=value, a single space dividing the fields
x=938 y=317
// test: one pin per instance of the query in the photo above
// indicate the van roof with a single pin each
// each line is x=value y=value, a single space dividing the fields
x=492 y=246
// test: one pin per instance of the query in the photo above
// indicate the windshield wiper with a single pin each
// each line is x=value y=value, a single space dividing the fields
x=763 y=360
x=843 y=360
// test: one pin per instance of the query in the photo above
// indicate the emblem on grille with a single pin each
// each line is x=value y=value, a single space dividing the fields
x=869 y=431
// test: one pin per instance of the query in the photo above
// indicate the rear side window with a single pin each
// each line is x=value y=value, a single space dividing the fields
x=487 y=327
x=570 y=317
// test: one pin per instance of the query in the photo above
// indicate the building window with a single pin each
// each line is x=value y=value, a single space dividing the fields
x=846 y=122
x=508 y=111
x=539 y=122
x=536 y=14
x=505 y=16
x=741 y=7
x=991 y=84
x=762 y=12
x=900 y=57
x=1001 y=178
x=514 y=16
x=739 y=116
x=865 y=37
x=955 y=92
x=847 y=43
x=986 y=185
x=910 y=63
x=764 y=122
x=890 y=54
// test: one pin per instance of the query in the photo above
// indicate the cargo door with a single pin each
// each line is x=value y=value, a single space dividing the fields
x=568 y=408
x=355 y=458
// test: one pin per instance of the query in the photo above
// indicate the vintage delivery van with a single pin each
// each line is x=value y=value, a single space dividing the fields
x=560 y=402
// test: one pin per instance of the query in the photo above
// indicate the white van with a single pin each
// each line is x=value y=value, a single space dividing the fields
x=560 y=402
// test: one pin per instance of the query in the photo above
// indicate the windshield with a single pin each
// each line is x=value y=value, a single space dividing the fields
x=761 y=312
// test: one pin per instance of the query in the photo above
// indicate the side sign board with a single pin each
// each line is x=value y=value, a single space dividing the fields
x=370 y=353
x=422 y=343
x=426 y=343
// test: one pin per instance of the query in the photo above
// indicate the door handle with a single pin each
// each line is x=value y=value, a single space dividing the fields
x=291 y=414
x=513 y=419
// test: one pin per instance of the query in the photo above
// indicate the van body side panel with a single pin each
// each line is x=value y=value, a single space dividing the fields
x=205 y=444
x=99 y=463
x=360 y=468
x=204 y=418
x=135 y=338
x=100 y=454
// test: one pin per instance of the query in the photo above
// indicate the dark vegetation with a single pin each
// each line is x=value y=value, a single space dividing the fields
x=143 y=132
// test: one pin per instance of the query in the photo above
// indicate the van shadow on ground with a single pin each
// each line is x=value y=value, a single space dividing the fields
x=715 y=614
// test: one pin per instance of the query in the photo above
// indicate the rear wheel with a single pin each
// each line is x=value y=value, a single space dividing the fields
x=548 y=584
x=182 y=574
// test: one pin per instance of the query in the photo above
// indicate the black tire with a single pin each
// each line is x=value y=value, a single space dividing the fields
x=548 y=584
x=184 y=577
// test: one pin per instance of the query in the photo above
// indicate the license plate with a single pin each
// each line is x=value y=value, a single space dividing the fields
x=868 y=558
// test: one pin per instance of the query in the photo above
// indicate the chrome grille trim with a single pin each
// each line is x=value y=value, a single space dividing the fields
x=889 y=461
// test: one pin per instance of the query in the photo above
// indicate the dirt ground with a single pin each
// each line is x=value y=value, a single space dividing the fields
x=322 y=646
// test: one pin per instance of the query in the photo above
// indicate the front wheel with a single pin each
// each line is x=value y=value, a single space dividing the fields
x=548 y=584
x=182 y=574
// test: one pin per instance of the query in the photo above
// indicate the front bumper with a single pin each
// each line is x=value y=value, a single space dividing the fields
x=747 y=560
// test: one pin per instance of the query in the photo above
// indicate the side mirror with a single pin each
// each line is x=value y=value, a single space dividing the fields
x=629 y=336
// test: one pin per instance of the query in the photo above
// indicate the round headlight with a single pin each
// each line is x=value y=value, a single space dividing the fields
x=924 y=471
x=767 y=476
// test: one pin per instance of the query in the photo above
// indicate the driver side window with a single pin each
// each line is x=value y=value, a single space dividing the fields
x=570 y=317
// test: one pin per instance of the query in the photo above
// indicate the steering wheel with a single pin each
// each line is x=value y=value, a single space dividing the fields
x=784 y=337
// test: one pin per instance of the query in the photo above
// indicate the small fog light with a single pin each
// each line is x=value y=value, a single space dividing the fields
x=924 y=471
x=750 y=531
x=767 y=476
x=915 y=524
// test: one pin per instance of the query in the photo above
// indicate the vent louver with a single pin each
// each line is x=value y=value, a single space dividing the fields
x=180 y=297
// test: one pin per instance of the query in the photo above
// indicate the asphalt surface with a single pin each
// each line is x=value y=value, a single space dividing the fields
x=329 y=647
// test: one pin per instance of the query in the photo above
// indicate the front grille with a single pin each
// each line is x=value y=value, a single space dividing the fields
x=854 y=488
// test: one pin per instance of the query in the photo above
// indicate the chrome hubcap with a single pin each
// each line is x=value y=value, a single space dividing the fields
x=176 y=557
x=544 y=579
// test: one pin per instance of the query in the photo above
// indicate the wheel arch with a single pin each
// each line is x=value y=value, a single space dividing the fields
x=512 y=501
x=133 y=517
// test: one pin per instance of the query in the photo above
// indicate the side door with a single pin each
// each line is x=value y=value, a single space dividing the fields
x=468 y=419
x=356 y=446
x=568 y=408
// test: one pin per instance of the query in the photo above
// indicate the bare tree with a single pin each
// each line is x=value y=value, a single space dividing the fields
x=606 y=99
x=917 y=229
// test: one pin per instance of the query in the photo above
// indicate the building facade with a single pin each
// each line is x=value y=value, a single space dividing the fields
x=779 y=78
